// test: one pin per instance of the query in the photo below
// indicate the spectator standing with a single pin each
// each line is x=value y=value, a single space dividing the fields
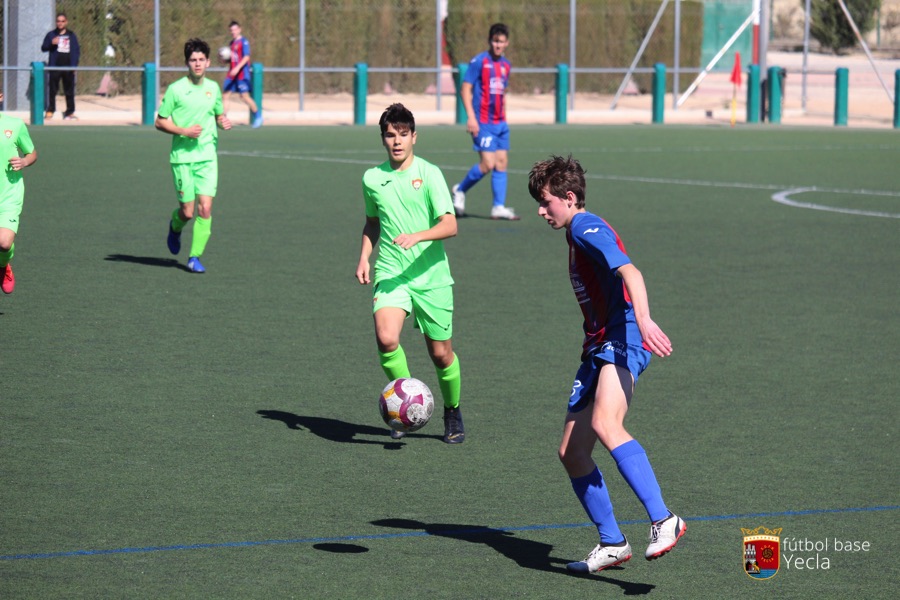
x=62 y=44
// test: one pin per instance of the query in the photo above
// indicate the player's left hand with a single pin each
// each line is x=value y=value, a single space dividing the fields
x=406 y=240
x=17 y=163
x=655 y=338
x=224 y=122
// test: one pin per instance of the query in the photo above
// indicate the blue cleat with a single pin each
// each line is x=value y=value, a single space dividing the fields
x=174 y=240
x=194 y=265
x=257 y=120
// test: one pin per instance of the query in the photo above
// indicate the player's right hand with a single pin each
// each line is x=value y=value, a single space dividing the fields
x=193 y=131
x=362 y=273
x=472 y=126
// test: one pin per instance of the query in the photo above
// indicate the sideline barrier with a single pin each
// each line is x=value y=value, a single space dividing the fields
x=841 y=79
x=897 y=99
x=774 y=99
x=460 y=74
x=562 y=91
x=659 y=92
x=148 y=94
x=360 y=89
x=753 y=94
x=256 y=86
x=37 y=93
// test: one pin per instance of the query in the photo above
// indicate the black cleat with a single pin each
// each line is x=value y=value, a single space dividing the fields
x=454 y=432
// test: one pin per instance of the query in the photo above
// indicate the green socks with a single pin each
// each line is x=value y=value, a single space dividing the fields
x=202 y=231
x=393 y=363
x=5 y=257
x=177 y=223
x=449 y=380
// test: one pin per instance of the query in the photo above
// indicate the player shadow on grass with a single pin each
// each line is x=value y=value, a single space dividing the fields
x=150 y=261
x=526 y=553
x=335 y=430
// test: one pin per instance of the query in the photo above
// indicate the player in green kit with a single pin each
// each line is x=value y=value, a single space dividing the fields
x=15 y=140
x=409 y=210
x=191 y=111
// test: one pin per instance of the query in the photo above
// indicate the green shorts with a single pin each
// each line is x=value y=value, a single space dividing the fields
x=11 y=207
x=433 y=309
x=195 y=179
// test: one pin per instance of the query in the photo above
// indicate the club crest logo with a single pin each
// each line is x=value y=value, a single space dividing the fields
x=8 y=133
x=761 y=552
x=209 y=94
x=416 y=183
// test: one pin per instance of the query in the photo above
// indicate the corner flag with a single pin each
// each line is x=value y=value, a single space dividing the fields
x=736 y=81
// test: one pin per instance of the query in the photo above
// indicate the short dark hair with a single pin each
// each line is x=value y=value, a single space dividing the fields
x=195 y=45
x=498 y=28
x=233 y=23
x=559 y=175
x=399 y=116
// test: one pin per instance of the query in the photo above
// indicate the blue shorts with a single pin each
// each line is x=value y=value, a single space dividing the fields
x=491 y=138
x=241 y=86
x=618 y=349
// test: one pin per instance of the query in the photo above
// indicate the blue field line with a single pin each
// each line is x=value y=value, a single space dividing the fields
x=447 y=533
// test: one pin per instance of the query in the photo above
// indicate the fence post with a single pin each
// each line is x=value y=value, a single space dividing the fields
x=562 y=92
x=659 y=91
x=256 y=87
x=753 y=95
x=37 y=93
x=774 y=95
x=148 y=94
x=360 y=89
x=460 y=75
x=841 y=80
x=897 y=99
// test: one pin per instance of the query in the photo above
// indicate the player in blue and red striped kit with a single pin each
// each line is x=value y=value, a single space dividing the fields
x=619 y=337
x=483 y=94
x=238 y=77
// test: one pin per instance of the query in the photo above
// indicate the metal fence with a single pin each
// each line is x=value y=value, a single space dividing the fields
x=410 y=46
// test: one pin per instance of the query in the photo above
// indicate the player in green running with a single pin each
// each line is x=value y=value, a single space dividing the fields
x=14 y=141
x=191 y=110
x=408 y=210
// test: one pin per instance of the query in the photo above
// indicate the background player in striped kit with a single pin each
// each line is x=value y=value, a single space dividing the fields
x=483 y=94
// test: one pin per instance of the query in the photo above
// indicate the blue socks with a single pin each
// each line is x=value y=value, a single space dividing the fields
x=635 y=467
x=594 y=497
x=472 y=177
x=498 y=187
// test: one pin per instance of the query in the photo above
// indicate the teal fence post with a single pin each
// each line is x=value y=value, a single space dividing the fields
x=148 y=94
x=562 y=92
x=841 y=80
x=774 y=95
x=753 y=95
x=37 y=93
x=460 y=75
x=659 y=92
x=256 y=86
x=897 y=99
x=360 y=89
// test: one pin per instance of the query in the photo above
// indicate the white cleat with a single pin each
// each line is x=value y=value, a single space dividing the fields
x=502 y=212
x=664 y=535
x=602 y=557
x=459 y=201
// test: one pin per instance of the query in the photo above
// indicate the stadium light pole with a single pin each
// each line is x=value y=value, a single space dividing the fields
x=573 y=6
x=156 y=47
x=676 y=68
x=437 y=53
x=5 y=49
x=805 y=55
x=301 y=37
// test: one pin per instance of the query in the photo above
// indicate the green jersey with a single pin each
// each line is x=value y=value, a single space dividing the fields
x=15 y=138
x=407 y=202
x=191 y=104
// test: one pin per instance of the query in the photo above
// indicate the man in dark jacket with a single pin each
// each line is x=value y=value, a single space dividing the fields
x=62 y=44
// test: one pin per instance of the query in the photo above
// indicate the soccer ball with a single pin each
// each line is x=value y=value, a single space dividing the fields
x=406 y=404
x=224 y=54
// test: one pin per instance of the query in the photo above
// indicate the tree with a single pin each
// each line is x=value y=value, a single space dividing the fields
x=829 y=25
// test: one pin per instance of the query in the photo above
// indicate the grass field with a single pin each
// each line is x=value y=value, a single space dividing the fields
x=169 y=435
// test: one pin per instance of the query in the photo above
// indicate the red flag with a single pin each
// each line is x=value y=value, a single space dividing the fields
x=736 y=71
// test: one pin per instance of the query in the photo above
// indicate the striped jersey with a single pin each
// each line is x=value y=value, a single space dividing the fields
x=595 y=254
x=489 y=79
x=239 y=49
